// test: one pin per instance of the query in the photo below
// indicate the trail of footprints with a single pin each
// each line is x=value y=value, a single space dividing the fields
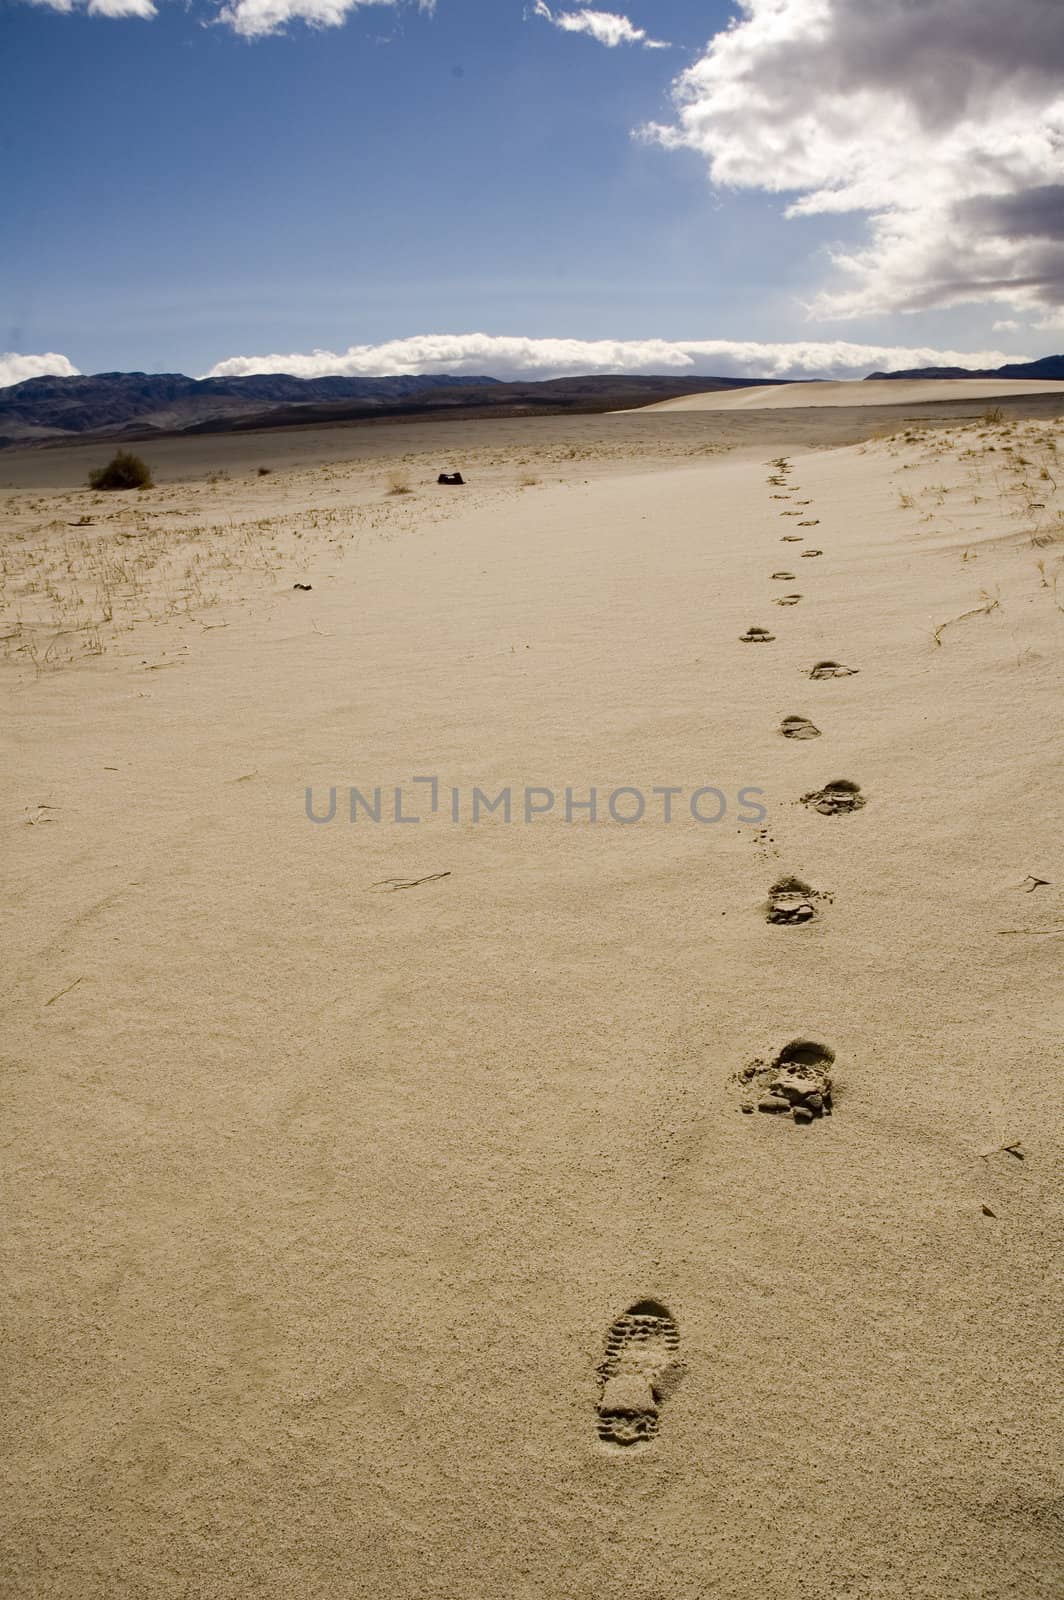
x=840 y=797
x=799 y=1081
x=641 y=1364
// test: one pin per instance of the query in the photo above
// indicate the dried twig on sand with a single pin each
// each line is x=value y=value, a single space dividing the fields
x=1011 y=1148
x=990 y=603
x=408 y=883
x=62 y=992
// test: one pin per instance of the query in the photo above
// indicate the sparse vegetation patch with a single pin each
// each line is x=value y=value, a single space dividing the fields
x=123 y=471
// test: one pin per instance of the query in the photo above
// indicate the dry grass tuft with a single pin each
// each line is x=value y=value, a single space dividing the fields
x=123 y=471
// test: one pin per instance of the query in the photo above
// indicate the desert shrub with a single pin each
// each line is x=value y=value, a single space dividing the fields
x=264 y=472
x=398 y=483
x=123 y=471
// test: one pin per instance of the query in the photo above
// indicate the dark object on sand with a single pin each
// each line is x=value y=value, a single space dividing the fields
x=450 y=477
x=304 y=586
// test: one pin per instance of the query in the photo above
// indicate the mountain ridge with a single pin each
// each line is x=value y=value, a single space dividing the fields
x=140 y=404
x=144 y=405
x=1046 y=367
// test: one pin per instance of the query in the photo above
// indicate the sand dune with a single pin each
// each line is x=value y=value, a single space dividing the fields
x=383 y=1215
x=866 y=392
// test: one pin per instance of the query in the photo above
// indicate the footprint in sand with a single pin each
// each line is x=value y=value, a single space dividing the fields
x=757 y=636
x=836 y=799
x=790 y=901
x=797 y=1082
x=787 y=600
x=798 y=728
x=791 y=538
x=784 y=577
x=810 y=522
x=832 y=669
x=808 y=554
x=791 y=514
x=640 y=1370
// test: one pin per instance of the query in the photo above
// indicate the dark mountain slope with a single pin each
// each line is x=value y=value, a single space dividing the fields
x=1049 y=367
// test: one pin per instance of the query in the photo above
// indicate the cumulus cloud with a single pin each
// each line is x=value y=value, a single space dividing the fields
x=499 y=356
x=941 y=119
x=16 y=369
x=605 y=26
x=121 y=8
x=254 y=19
x=103 y=8
x=257 y=18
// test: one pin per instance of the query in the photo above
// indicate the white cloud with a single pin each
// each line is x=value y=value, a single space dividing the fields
x=104 y=8
x=497 y=356
x=942 y=119
x=1007 y=325
x=121 y=8
x=16 y=369
x=254 y=19
x=605 y=26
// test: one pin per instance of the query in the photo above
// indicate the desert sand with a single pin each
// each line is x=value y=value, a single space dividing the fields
x=335 y=1150
x=863 y=392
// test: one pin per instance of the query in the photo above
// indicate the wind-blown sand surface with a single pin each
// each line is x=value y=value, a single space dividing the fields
x=863 y=392
x=323 y=1192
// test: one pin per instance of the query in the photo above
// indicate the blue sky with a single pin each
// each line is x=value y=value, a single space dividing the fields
x=179 y=195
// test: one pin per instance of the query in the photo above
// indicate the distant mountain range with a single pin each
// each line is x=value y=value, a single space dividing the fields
x=1048 y=367
x=139 y=405
x=168 y=402
x=136 y=405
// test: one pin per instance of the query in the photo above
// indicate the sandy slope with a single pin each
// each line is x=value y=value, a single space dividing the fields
x=322 y=1193
x=866 y=392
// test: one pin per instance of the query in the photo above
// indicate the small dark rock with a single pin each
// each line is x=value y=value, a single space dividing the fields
x=802 y=1114
x=306 y=587
x=771 y=1102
